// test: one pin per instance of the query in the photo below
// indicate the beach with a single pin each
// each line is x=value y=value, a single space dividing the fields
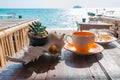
x=51 y=18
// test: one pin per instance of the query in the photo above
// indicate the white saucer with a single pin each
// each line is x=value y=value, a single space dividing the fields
x=94 y=50
x=106 y=41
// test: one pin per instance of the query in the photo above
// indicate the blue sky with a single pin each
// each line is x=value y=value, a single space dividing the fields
x=58 y=3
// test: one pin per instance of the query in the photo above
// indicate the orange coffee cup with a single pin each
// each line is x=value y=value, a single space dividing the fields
x=81 y=40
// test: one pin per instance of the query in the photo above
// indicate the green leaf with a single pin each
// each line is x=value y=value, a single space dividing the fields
x=38 y=28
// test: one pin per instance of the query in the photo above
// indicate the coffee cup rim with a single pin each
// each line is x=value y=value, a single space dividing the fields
x=88 y=34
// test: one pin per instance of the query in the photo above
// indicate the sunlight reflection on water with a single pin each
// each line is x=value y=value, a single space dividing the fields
x=52 y=18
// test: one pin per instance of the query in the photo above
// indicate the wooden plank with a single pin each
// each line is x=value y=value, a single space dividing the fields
x=116 y=56
x=10 y=47
x=12 y=44
x=2 y=61
x=16 y=41
x=87 y=26
x=37 y=70
x=22 y=31
x=109 y=65
x=115 y=53
x=7 y=77
x=95 y=68
x=26 y=36
x=22 y=38
x=6 y=47
x=26 y=74
x=72 y=67
x=3 y=50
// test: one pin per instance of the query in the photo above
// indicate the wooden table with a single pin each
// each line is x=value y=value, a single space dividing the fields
x=101 y=66
x=92 y=25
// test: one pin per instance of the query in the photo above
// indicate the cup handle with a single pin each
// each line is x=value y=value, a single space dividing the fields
x=66 y=39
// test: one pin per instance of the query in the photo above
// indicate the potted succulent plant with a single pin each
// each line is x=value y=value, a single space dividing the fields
x=37 y=34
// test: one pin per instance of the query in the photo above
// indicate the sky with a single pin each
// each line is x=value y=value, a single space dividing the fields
x=59 y=3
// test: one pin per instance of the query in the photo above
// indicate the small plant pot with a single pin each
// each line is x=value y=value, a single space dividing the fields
x=35 y=41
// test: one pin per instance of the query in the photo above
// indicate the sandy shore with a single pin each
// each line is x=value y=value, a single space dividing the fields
x=61 y=31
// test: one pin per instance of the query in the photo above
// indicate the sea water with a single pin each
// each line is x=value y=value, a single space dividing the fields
x=51 y=18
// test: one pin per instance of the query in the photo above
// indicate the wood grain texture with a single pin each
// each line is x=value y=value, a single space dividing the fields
x=103 y=66
x=109 y=65
x=2 y=61
x=94 y=25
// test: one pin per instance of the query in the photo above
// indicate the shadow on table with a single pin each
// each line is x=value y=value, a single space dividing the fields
x=109 y=46
x=78 y=61
x=42 y=65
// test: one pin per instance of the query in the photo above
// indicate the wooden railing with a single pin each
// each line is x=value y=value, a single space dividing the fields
x=115 y=22
x=115 y=29
x=12 y=40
